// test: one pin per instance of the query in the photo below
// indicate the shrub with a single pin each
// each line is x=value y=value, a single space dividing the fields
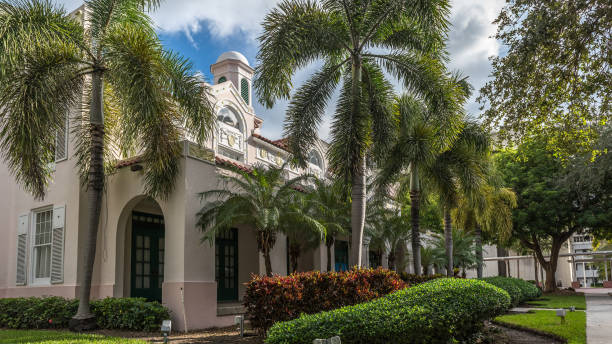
x=441 y=311
x=55 y=312
x=271 y=299
x=519 y=290
x=413 y=279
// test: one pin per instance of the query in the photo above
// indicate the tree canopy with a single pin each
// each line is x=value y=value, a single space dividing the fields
x=555 y=77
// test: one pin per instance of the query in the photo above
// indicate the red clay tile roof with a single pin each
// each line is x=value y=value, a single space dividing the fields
x=129 y=161
x=229 y=163
x=282 y=143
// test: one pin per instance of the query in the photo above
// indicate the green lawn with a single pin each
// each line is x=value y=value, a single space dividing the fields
x=574 y=329
x=59 y=337
x=559 y=301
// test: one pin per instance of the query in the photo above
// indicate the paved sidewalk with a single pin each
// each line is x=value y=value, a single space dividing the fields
x=599 y=318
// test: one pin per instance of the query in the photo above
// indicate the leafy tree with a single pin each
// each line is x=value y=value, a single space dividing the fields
x=138 y=96
x=257 y=199
x=549 y=208
x=356 y=40
x=555 y=79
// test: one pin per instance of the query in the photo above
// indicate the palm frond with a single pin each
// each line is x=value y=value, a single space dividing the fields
x=306 y=109
x=34 y=101
x=295 y=33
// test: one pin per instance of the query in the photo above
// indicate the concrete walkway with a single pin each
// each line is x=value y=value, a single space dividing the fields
x=599 y=316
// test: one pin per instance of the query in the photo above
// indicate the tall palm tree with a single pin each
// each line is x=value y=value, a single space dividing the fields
x=330 y=207
x=257 y=199
x=459 y=169
x=423 y=133
x=136 y=95
x=356 y=41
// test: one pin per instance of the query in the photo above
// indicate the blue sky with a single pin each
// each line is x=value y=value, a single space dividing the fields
x=203 y=29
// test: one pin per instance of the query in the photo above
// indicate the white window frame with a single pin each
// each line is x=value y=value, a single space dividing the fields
x=32 y=243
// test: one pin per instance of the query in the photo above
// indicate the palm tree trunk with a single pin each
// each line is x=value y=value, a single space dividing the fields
x=268 y=263
x=478 y=243
x=414 y=219
x=294 y=255
x=358 y=192
x=391 y=259
x=448 y=238
x=400 y=254
x=84 y=320
x=501 y=265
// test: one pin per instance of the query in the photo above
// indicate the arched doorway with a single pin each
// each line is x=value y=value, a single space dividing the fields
x=147 y=256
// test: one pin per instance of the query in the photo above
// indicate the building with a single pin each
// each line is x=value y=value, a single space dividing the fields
x=151 y=247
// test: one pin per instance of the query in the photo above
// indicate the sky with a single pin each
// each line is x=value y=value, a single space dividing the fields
x=203 y=29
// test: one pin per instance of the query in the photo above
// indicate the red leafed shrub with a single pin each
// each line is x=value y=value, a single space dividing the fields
x=280 y=298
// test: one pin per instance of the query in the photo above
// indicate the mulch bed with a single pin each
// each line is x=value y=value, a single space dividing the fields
x=227 y=335
x=502 y=334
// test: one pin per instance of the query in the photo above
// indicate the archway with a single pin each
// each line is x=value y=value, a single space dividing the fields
x=143 y=249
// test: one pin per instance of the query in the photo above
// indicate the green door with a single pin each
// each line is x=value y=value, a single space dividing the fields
x=226 y=265
x=147 y=256
x=341 y=255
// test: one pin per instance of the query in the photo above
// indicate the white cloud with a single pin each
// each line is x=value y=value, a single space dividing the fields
x=470 y=39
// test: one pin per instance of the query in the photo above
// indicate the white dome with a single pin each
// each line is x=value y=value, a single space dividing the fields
x=233 y=55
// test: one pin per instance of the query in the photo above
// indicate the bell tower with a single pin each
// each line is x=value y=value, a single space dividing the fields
x=234 y=67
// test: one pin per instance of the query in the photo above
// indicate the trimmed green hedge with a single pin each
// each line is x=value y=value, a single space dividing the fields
x=438 y=311
x=55 y=312
x=519 y=290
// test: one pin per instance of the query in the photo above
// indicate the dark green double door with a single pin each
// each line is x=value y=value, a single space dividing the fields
x=147 y=256
x=226 y=265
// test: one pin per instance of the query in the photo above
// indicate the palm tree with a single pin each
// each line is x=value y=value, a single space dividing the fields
x=137 y=96
x=257 y=199
x=488 y=209
x=464 y=256
x=459 y=169
x=356 y=40
x=296 y=221
x=431 y=257
x=387 y=228
x=331 y=209
x=423 y=133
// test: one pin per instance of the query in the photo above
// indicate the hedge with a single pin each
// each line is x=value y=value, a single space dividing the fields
x=440 y=311
x=271 y=299
x=55 y=312
x=413 y=279
x=519 y=290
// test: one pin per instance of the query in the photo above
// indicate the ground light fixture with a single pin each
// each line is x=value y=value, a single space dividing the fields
x=166 y=328
x=239 y=320
x=332 y=340
x=561 y=314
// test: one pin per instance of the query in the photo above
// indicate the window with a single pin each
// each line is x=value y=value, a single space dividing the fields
x=244 y=90
x=42 y=245
x=315 y=159
x=227 y=116
x=222 y=80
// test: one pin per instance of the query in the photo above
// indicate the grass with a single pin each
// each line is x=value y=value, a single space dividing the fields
x=559 y=301
x=59 y=337
x=574 y=329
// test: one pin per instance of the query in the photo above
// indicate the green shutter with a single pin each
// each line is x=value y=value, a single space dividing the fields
x=222 y=80
x=244 y=90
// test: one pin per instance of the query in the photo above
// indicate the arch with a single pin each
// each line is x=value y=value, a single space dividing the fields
x=244 y=90
x=314 y=158
x=141 y=260
x=229 y=116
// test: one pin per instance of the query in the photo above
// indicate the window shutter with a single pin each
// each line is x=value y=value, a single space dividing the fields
x=57 y=245
x=244 y=90
x=61 y=141
x=22 y=249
